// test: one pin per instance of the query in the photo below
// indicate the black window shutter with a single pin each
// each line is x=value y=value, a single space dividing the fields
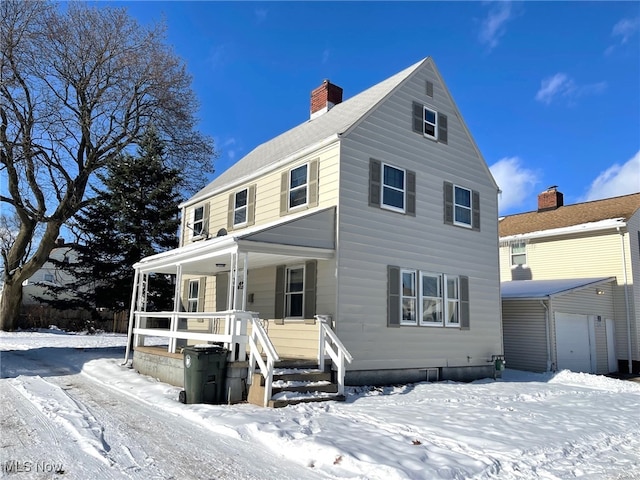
x=443 y=130
x=230 y=212
x=310 y=269
x=448 y=203
x=284 y=193
x=418 y=118
x=374 y=182
x=312 y=201
x=279 y=300
x=429 y=89
x=411 y=193
x=465 y=318
x=393 y=296
x=251 y=205
x=475 y=206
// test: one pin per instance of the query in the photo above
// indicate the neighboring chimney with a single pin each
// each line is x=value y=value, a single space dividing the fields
x=550 y=199
x=324 y=98
x=60 y=242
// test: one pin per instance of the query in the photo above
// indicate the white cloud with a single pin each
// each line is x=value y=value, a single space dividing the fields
x=561 y=85
x=622 y=32
x=516 y=182
x=616 y=180
x=493 y=26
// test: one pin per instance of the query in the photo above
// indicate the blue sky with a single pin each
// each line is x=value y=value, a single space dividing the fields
x=549 y=90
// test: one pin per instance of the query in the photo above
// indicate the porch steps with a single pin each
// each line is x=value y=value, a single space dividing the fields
x=293 y=383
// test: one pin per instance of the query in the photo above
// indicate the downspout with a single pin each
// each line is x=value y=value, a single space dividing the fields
x=626 y=299
x=547 y=330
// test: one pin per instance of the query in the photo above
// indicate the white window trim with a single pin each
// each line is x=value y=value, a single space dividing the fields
x=511 y=254
x=424 y=122
x=446 y=300
x=193 y=300
x=382 y=187
x=304 y=185
x=470 y=207
x=287 y=293
x=195 y=234
x=245 y=207
x=416 y=297
x=442 y=299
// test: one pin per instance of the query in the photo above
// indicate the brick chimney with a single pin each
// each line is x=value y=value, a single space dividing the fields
x=550 y=199
x=324 y=98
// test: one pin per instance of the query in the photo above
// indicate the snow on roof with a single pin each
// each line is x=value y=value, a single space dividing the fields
x=547 y=288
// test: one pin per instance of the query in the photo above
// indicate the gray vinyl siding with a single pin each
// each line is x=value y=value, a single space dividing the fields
x=370 y=239
x=586 y=302
x=317 y=230
x=633 y=273
x=525 y=335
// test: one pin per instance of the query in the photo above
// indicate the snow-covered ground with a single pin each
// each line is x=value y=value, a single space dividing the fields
x=69 y=409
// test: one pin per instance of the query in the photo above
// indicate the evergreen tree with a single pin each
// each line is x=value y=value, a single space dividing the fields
x=134 y=214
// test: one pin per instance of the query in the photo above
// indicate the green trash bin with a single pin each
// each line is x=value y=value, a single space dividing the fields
x=204 y=374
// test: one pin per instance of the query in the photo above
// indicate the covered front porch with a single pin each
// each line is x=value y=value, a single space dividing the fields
x=239 y=290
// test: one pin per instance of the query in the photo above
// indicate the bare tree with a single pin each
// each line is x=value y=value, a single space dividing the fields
x=79 y=87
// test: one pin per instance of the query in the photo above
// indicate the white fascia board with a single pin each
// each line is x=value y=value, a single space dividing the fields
x=258 y=173
x=554 y=232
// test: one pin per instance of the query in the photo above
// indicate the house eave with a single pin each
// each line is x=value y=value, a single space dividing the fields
x=608 y=224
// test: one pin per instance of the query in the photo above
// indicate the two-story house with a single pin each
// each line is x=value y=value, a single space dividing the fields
x=378 y=214
x=569 y=276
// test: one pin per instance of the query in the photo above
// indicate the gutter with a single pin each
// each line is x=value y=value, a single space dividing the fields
x=616 y=223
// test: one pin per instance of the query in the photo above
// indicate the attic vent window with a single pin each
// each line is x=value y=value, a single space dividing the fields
x=430 y=123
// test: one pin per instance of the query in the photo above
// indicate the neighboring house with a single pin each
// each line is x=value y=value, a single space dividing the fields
x=568 y=274
x=50 y=274
x=378 y=213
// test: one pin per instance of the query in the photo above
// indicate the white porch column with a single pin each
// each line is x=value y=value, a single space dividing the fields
x=245 y=269
x=132 y=308
x=141 y=306
x=176 y=308
x=233 y=270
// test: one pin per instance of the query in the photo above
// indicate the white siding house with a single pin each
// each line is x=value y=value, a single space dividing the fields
x=378 y=216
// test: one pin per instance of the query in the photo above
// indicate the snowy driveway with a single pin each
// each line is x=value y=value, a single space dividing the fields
x=68 y=406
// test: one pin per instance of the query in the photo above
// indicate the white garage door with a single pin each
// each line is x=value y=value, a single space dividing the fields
x=573 y=343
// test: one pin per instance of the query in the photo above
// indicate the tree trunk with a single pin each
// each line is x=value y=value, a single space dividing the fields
x=10 y=303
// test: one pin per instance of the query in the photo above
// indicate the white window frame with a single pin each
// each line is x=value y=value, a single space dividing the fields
x=49 y=277
x=192 y=301
x=304 y=186
x=197 y=225
x=426 y=122
x=391 y=187
x=288 y=293
x=238 y=209
x=522 y=253
x=439 y=299
x=449 y=300
x=409 y=298
x=468 y=208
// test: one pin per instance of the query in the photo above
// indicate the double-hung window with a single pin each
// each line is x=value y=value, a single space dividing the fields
x=409 y=297
x=298 y=179
x=193 y=295
x=430 y=123
x=240 y=207
x=431 y=299
x=48 y=277
x=393 y=188
x=198 y=221
x=452 y=317
x=518 y=253
x=294 y=292
x=462 y=206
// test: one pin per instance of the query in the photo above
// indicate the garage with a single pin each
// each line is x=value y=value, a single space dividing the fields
x=575 y=338
x=559 y=324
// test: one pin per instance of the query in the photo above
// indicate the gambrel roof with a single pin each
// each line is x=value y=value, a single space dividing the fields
x=622 y=208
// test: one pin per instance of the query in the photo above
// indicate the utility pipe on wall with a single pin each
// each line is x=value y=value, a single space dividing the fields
x=626 y=299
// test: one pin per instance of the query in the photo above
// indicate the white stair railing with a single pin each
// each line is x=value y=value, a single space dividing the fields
x=260 y=340
x=328 y=342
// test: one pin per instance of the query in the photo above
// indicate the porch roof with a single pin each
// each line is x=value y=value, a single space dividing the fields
x=540 y=289
x=307 y=235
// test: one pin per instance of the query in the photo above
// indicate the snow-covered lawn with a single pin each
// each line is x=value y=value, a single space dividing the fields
x=68 y=405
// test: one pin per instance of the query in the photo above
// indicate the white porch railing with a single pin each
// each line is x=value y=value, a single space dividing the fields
x=234 y=336
x=259 y=339
x=328 y=342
